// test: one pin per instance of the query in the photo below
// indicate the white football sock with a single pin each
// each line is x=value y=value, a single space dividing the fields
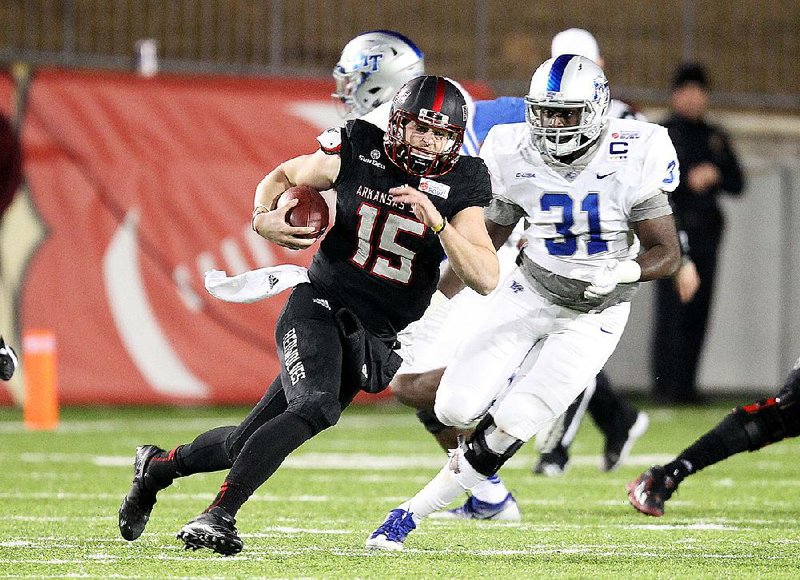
x=493 y=490
x=454 y=478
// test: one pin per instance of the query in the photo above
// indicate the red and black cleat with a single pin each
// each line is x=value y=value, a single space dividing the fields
x=215 y=530
x=648 y=492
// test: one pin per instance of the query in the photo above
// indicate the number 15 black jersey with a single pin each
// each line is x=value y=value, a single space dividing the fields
x=378 y=259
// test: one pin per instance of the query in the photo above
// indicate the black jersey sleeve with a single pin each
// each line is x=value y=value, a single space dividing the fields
x=477 y=184
x=345 y=151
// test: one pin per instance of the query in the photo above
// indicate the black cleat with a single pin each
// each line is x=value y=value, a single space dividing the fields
x=8 y=361
x=618 y=445
x=648 y=492
x=215 y=530
x=137 y=505
x=552 y=463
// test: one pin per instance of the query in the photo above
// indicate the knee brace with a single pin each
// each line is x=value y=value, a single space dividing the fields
x=486 y=459
x=428 y=419
x=319 y=409
x=770 y=420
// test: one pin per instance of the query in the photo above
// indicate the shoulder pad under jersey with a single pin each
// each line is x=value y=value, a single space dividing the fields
x=331 y=141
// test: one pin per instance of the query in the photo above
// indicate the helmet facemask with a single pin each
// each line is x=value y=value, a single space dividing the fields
x=347 y=83
x=564 y=84
x=425 y=145
x=562 y=139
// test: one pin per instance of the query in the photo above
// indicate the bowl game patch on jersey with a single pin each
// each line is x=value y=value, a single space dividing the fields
x=434 y=188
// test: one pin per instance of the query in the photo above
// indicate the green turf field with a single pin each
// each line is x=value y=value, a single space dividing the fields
x=60 y=493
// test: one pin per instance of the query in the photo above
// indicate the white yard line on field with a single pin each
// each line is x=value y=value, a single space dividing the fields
x=328 y=461
x=367 y=422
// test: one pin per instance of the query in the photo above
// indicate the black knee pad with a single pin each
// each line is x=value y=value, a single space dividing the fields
x=770 y=420
x=321 y=410
x=480 y=457
x=432 y=424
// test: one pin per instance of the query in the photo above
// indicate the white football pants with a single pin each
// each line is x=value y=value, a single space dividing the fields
x=550 y=352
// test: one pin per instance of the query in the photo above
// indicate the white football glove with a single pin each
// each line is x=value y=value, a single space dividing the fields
x=603 y=280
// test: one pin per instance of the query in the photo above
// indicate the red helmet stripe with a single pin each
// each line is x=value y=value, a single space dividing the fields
x=438 y=100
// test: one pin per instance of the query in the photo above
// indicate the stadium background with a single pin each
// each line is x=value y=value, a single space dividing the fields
x=137 y=185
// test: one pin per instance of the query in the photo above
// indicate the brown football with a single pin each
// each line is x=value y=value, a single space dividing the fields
x=311 y=211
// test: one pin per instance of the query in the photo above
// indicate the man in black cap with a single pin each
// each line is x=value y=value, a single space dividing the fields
x=708 y=168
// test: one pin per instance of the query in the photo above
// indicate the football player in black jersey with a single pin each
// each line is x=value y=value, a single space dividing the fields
x=746 y=428
x=404 y=199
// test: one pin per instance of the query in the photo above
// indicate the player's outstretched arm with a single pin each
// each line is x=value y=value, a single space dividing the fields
x=317 y=170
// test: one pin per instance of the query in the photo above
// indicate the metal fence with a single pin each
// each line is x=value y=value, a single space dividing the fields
x=751 y=47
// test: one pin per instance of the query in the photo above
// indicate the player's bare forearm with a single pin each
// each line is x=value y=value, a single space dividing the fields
x=470 y=253
x=317 y=170
x=662 y=251
x=476 y=266
x=449 y=283
x=271 y=187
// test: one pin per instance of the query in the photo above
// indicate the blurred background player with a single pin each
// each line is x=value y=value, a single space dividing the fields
x=553 y=323
x=746 y=428
x=371 y=68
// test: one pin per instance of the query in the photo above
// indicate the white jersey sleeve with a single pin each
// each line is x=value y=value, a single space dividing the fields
x=660 y=169
x=496 y=147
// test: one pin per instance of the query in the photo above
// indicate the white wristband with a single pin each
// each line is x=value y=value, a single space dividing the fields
x=629 y=271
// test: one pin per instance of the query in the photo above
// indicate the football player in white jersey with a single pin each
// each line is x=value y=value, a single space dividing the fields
x=594 y=192
x=429 y=344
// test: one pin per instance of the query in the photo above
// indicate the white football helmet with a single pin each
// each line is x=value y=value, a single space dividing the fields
x=566 y=82
x=372 y=67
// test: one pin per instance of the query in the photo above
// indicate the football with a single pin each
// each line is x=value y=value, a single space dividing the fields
x=311 y=211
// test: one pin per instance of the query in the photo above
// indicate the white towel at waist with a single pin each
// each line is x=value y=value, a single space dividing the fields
x=255 y=284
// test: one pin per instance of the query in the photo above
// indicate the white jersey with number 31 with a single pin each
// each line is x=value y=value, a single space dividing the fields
x=579 y=214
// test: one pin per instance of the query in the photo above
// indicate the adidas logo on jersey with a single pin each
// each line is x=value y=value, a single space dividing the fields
x=272 y=279
x=516 y=287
